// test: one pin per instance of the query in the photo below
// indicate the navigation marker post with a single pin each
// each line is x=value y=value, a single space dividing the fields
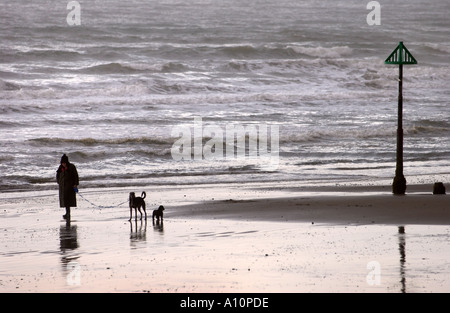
x=400 y=56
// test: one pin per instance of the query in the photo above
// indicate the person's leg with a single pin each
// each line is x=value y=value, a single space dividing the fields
x=67 y=215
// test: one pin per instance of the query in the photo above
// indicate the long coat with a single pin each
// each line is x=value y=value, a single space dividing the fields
x=66 y=179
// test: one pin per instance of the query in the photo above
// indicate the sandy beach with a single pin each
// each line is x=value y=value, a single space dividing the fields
x=228 y=238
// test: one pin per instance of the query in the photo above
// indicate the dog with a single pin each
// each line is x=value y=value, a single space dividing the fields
x=158 y=214
x=137 y=203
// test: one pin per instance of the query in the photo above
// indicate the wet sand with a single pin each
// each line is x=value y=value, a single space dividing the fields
x=259 y=238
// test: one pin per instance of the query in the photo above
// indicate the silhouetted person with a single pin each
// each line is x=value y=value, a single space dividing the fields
x=67 y=178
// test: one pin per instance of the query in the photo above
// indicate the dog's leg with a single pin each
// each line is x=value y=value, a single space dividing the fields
x=139 y=208
x=143 y=207
x=131 y=203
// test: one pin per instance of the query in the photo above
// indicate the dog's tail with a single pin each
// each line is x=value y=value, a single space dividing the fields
x=143 y=195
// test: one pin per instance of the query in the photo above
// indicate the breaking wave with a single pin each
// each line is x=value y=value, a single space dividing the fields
x=95 y=142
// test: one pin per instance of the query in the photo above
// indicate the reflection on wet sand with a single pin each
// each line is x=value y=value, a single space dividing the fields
x=138 y=233
x=108 y=254
x=401 y=248
x=68 y=242
x=158 y=226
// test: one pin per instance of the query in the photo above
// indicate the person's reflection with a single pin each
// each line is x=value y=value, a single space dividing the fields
x=68 y=241
x=401 y=248
x=138 y=233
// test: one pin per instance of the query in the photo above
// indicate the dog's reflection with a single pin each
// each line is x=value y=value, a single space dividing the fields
x=138 y=230
x=158 y=226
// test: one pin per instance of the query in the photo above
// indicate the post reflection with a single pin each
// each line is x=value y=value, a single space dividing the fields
x=401 y=248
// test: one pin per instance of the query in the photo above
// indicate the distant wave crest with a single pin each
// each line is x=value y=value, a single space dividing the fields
x=128 y=68
x=94 y=142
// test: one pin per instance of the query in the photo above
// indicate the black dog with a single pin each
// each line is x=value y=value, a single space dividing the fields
x=158 y=214
x=137 y=203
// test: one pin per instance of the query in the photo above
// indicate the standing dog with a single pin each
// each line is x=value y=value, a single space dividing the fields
x=158 y=214
x=137 y=203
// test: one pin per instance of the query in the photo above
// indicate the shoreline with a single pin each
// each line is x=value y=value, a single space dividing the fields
x=264 y=202
x=339 y=209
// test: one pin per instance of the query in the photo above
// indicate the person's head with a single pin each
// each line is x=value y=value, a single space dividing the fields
x=64 y=160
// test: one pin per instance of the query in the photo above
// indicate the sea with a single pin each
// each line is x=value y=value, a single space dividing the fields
x=110 y=83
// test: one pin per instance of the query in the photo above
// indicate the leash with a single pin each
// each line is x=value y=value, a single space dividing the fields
x=98 y=206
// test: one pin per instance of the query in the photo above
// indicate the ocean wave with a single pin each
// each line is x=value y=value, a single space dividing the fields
x=6 y=158
x=95 y=142
x=24 y=182
x=240 y=51
x=8 y=86
x=438 y=47
x=330 y=134
x=123 y=156
x=424 y=128
x=429 y=127
x=135 y=68
x=9 y=124
x=54 y=55
x=323 y=52
x=111 y=68
x=259 y=51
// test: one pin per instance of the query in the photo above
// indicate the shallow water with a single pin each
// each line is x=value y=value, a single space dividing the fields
x=101 y=251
